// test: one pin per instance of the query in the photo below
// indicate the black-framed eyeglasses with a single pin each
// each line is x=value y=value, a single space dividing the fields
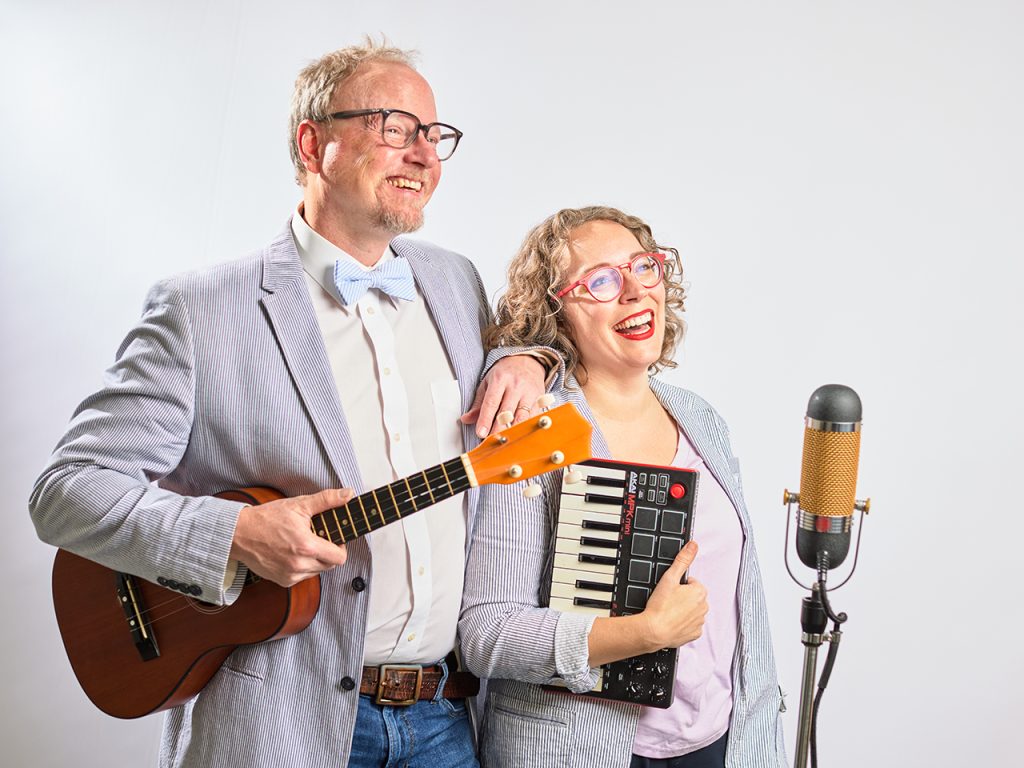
x=399 y=129
x=607 y=283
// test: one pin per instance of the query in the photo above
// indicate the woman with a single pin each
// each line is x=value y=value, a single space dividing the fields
x=594 y=284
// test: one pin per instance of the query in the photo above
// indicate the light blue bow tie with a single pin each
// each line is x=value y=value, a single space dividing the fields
x=393 y=276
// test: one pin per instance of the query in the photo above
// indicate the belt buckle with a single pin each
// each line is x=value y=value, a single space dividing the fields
x=401 y=668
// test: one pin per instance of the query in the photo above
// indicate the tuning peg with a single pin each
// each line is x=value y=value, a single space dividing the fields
x=545 y=401
x=557 y=457
x=531 y=490
x=573 y=476
x=504 y=418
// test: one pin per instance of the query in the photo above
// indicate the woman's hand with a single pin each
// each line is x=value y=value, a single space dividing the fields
x=674 y=616
x=675 y=612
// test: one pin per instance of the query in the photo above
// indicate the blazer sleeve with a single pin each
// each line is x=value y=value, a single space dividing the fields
x=505 y=633
x=97 y=497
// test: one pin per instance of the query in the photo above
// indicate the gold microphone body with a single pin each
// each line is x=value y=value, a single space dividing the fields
x=828 y=476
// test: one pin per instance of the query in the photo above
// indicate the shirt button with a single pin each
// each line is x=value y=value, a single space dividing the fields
x=397 y=436
x=348 y=683
x=358 y=584
x=387 y=371
x=411 y=637
x=369 y=310
x=421 y=570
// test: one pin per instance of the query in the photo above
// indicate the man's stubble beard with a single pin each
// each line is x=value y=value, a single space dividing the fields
x=398 y=222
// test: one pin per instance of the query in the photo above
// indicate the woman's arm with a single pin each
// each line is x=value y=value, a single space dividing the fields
x=505 y=633
x=673 y=617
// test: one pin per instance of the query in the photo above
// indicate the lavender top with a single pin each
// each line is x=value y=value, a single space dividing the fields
x=700 y=711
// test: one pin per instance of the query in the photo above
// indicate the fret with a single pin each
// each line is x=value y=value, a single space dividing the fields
x=351 y=522
x=331 y=535
x=324 y=519
x=337 y=524
x=457 y=471
x=391 y=518
x=363 y=509
x=427 y=481
x=412 y=499
x=409 y=503
x=393 y=501
x=450 y=490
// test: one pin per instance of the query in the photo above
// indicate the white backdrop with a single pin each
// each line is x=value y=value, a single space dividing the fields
x=843 y=181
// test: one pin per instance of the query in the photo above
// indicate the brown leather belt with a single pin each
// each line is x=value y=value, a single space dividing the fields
x=399 y=685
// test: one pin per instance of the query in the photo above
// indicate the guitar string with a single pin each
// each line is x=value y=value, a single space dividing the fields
x=395 y=514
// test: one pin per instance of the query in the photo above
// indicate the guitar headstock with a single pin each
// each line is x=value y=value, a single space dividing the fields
x=552 y=440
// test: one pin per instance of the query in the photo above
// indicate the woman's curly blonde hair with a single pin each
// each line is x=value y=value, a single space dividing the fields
x=529 y=313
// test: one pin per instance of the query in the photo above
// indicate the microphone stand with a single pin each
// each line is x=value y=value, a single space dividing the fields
x=815 y=612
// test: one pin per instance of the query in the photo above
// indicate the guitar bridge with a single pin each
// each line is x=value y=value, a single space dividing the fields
x=135 y=614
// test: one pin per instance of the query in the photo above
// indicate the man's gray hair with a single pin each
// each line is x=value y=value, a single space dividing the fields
x=316 y=84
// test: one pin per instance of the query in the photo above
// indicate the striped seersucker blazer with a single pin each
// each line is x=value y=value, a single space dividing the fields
x=225 y=383
x=507 y=637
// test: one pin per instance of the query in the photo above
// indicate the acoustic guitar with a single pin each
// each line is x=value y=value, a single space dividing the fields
x=138 y=648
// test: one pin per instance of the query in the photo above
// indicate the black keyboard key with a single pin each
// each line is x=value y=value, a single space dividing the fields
x=589 y=602
x=590 y=541
x=599 y=525
x=600 y=498
x=598 y=559
x=607 y=482
x=596 y=586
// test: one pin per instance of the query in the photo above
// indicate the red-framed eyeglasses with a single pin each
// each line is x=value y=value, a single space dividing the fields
x=607 y=283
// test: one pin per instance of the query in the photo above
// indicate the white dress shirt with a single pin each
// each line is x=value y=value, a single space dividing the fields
x=402 y=403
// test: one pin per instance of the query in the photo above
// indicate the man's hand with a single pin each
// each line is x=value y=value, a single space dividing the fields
x=512 y=386
x=275 y=540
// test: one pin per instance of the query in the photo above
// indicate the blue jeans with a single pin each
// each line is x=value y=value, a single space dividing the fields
x=427 y=734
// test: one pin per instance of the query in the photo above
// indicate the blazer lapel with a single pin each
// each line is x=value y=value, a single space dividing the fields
x=290 y=312
x=700 y=435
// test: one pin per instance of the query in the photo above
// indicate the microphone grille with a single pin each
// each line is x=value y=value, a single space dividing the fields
x=828 y=477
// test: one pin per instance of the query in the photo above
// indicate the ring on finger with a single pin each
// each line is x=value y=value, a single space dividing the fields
x=526 y=408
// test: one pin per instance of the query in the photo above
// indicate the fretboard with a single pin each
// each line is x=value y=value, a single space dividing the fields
x=390 y=503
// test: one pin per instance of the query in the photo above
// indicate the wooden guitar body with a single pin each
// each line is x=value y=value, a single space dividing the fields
x=194 y=638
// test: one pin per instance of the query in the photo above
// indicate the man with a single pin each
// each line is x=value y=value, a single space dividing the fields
x=294 y=369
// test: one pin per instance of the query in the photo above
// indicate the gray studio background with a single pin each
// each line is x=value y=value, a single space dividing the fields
x=843 y=180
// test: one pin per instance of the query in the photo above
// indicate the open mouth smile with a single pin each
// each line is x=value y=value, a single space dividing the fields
x=636 y=327
x=403 y=182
